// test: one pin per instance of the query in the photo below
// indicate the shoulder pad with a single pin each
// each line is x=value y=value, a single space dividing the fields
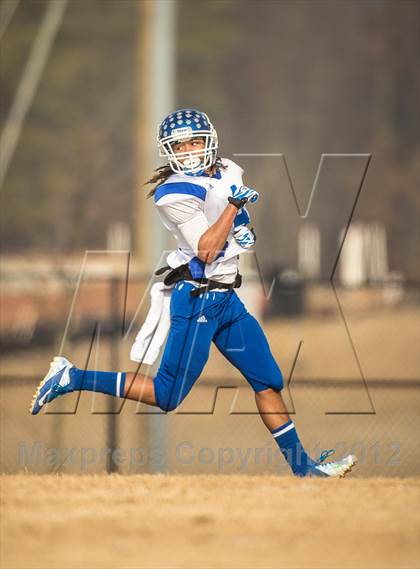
x=232 y=166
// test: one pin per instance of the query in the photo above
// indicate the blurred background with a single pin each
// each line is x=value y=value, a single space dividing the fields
x=84 y=85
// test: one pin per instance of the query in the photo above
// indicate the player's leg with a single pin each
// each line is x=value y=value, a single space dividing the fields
x=186 y=352
x=272 y=408
x=244 y=344
x=173 y=381
x=140 y=387
x=63 y=377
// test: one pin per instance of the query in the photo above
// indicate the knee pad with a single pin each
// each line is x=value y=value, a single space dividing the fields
x=171 y=389
x=277 y=382
x=165 y=395
x=168 y=406
x=273 y=381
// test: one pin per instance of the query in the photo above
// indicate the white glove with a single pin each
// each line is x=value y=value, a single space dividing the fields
x=245 y=237
x=243 y=195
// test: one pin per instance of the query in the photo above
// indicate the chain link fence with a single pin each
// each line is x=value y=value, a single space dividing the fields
x=217 y=428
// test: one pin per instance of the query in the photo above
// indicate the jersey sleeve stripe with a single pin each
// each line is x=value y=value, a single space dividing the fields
x=180 y=188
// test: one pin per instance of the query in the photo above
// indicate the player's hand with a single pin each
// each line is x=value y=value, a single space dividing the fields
x=245 y=237
x=242 y=195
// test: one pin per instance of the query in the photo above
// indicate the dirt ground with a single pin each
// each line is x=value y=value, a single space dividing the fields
x=151 y=521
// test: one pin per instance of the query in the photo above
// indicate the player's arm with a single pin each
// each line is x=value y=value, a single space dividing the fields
x=206 y=241
x=214 y=238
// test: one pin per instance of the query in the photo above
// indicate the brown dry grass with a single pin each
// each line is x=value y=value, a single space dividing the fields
x=152 y=521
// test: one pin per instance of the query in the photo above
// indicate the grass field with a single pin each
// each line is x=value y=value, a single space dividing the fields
x=202 y=521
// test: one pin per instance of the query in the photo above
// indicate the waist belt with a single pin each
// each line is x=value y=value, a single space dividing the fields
x=183 y=273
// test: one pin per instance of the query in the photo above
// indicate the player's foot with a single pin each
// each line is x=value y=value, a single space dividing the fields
x=55 y=383
x=334 y=469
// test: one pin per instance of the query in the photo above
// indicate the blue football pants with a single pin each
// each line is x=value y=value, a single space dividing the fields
x=220 y=317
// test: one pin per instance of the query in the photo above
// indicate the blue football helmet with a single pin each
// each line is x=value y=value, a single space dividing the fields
x=183 y=125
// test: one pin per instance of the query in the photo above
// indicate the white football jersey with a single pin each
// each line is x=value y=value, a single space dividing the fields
x=188 y=206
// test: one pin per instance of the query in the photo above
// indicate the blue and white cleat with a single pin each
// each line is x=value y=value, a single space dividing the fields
x=334 y=469
x=55 y=383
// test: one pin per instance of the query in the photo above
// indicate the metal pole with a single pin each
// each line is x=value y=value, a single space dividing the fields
x=144 y=139
x=163 y=92
x=114 y=315
x=156 y=94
